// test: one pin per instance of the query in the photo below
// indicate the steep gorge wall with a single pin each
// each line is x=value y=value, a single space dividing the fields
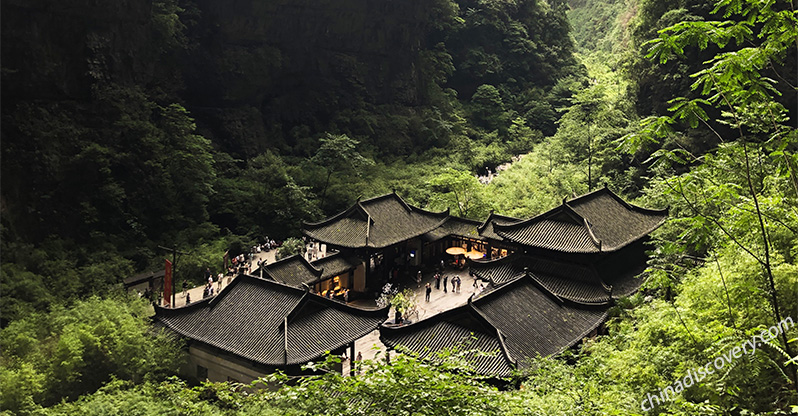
x=248 y=70
x=54 y=50
x=259 y=67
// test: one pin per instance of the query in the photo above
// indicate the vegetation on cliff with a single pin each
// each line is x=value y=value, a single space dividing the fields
x=208 y=125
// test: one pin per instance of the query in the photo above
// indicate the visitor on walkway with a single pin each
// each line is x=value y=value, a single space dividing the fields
x=418 y=279
x=458 y=284
x=445 y=279
x=437 y=281
x=454 y=283
x=429 y=290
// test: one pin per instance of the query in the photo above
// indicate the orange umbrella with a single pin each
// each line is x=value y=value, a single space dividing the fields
x=456 y=250
x=474 y=255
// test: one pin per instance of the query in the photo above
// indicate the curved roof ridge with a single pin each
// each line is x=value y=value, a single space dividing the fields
x=292 y=257
x=403 y=203
x=492 y=217
x=607 y=288
x=596 y=241
x=537 y=283
x=315 y=297
x=599 y=221
x=606 y=190
x=564 y=207
x=298 y=305
x=490 y=262
x=490 y=277
x=500 y=287
x=260 y=281
x=540 y=226
x=343 y=214
x=427 y=320
x=376 y=223
x=583 y=334
x=499 y=334
x=567 y=299
x=326 y=258
x=368 y=214
x=457 y=218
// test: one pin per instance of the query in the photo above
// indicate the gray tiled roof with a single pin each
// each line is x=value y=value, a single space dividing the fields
x=454 y=226
x=462 y=328
x=335 y=264
x=599 y=221
x=294 y=270
x=534 y=322
x=624 y=270
x=247 y=319
x=378 y=222
x=520 y=317
x=573 y=281
x=486 y=230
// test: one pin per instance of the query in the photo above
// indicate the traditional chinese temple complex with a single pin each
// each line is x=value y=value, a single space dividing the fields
x=550 y=281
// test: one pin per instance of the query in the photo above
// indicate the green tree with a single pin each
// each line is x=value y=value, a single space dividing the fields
x=739 y=194
x=443 y=385
x=459 y=191
x=72 y=351
x=290 y=247
x=337 y=154
x=488 y=108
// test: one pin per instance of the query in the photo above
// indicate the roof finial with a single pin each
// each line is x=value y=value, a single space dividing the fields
x=564 y=199
x=605 y=185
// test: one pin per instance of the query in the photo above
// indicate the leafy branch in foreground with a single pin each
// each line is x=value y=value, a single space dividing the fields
x=408 y=385
x=742 y=194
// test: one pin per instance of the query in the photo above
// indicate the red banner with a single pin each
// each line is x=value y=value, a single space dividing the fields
x=167 y=284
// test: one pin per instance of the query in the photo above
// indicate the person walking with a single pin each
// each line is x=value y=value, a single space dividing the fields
x=429 y=291
x=445 y=279
x=437 y=281
x=418 y=279
x=454 y=283
x=358 y=359
x=458 y=284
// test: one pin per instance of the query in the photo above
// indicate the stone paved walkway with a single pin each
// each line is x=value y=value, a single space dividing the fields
x=370 y=345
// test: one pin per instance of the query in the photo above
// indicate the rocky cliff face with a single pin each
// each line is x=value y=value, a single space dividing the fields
x=54 y=50
x=260 y=74
x=296 y=62
x=250 y=69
